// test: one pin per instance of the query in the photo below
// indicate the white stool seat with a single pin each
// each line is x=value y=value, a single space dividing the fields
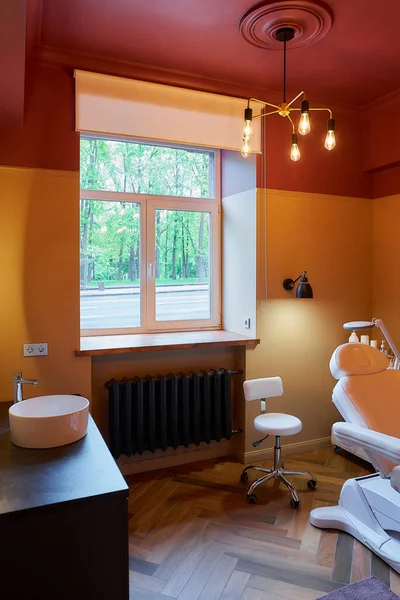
x=277 y=424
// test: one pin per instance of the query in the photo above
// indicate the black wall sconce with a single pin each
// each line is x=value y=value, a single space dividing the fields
x=304 y=289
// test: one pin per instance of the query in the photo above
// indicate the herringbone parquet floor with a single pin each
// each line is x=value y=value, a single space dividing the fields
x=193 y=536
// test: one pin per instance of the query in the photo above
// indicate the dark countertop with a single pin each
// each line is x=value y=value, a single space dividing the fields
x=35 y=478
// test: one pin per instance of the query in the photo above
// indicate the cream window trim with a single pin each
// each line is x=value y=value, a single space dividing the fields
x=109 y=105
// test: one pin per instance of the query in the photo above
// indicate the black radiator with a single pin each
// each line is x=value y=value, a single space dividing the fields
x=149 y=413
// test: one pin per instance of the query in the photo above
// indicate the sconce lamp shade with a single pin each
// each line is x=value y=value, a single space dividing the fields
x=304 y=289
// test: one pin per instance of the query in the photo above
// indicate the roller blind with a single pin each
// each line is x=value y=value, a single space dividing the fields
x=127 y=107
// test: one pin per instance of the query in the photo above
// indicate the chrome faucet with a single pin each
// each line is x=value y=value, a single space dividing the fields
x=18 y=382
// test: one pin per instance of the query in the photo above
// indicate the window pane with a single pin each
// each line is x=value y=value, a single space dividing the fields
x=110 y=264
x=145 y=169
x=182 y=265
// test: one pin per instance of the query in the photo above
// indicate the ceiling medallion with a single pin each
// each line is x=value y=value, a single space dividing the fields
x=309 y=20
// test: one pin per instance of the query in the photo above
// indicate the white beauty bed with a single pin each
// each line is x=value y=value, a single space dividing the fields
x=368 y=396
x=347 y=411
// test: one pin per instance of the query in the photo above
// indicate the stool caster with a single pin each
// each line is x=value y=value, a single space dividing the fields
x=294 y=503
x=311 y=483
x=252 y=498
x=244 y=477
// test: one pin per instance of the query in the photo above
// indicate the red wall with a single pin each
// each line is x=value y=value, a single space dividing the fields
x=381 y=130
x=386 y=182
x=337 y=172
x=48 y=139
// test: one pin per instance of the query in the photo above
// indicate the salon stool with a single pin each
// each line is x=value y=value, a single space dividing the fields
x=276 y=424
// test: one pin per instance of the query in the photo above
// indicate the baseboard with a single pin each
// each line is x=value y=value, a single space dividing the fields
x=307 y=446
x=173 y=458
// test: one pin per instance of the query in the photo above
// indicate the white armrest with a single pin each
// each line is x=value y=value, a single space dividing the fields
x=376 y=442
x=395 y=479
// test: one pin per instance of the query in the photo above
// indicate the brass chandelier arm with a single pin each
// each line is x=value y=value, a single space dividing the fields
x=261 y=102
x=273 y=112
x=293 y=127
x=294 y=99
x=328 y=109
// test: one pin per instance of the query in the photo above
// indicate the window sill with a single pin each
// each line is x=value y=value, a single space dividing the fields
x=153 y=342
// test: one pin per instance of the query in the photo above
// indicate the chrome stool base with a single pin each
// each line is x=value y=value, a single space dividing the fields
x=277 y=472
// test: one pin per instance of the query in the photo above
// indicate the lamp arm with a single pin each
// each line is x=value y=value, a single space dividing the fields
x=328 y=109
x=288 y=284
x=302 y=274
x=379 y=323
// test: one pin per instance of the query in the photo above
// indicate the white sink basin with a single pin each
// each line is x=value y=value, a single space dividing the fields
x=48 y=421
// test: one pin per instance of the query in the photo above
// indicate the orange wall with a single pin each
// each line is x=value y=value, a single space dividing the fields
x=386 y=279
x=39 y=295
x=331 y=238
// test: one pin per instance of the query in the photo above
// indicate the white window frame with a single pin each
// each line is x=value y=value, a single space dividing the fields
x=148 y=204
x=208 y=206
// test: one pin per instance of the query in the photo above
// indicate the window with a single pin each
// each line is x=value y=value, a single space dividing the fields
x=150 y=237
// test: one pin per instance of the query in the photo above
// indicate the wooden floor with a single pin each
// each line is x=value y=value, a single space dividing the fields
x=194 y=536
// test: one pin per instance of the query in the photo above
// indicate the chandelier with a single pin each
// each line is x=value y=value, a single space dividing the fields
x=284 y=35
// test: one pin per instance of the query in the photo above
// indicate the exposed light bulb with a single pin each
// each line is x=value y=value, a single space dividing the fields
x=304 y=124
x=248 y=131
x=294 y=149
x=246 y=150
x=295 y=152
x=330 y=141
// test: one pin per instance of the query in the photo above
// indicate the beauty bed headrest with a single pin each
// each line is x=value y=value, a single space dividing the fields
x=357 y=359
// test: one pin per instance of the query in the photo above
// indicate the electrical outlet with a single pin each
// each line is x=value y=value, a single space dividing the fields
x=29 y=350
x=246 y=323
x=41 y=349
x=36 y=349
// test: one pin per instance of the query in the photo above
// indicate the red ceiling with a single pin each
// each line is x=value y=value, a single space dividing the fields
x=356 y=63
x=197 y=43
